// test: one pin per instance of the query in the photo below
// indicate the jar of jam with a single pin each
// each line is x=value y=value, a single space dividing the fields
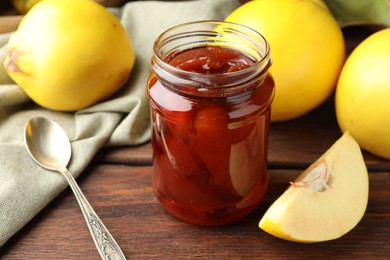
x=210 y=94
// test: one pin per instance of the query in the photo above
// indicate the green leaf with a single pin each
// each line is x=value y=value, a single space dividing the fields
x=348 y=12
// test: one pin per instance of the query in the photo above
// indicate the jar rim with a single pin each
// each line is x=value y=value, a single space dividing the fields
x=216 y=33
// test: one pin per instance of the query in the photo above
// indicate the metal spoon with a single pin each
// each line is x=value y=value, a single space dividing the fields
x=49 y=146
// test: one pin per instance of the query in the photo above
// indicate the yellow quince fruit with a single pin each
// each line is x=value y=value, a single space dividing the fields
x=69 y=54
x=307 y=49
x=363 y=94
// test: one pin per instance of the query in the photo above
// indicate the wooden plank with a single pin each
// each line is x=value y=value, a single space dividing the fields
x=123 y=198
x=136 y=155
x=9 y=23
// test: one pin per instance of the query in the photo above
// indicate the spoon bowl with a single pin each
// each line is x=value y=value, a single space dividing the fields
x=47 y=143
x=49 y=146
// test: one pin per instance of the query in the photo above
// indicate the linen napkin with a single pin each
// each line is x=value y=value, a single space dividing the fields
x=26 y=188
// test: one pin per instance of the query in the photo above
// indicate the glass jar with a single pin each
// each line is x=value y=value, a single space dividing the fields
x=210 y=94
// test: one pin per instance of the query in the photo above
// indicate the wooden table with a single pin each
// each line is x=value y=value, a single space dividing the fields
x=117 y=184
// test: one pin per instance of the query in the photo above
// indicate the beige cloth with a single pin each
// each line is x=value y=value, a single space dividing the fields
x=25 y=188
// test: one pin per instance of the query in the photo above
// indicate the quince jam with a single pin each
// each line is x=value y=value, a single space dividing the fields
x=210 y=152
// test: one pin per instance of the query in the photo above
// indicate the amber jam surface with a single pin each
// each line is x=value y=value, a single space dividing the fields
x=210 y=153
x=211 y=59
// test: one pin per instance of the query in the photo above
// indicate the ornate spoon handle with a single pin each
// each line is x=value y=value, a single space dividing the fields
x=104 y=241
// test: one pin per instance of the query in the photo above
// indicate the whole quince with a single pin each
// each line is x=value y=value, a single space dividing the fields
x=69 y=54
x=363 y=94
x=307 y=49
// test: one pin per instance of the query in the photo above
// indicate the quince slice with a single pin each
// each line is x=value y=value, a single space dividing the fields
x=326 y=201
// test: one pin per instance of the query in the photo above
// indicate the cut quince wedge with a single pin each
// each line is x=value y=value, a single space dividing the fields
x=326 y=201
